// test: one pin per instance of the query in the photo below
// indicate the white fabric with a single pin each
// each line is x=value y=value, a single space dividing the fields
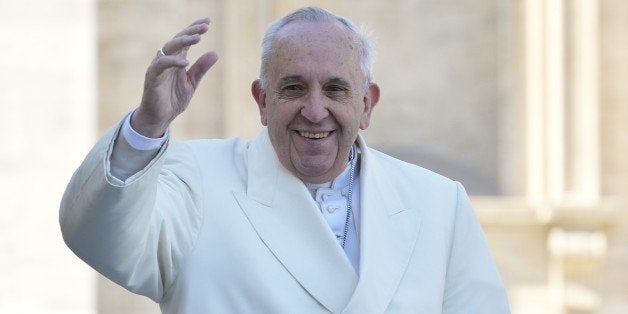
x=139 y=141
x=332 y=198
x=125 y=162
x=219 y=226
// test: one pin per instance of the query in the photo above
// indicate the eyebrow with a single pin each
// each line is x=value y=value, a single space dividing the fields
x=339 y=80
x=299 y=78
x=290 y=78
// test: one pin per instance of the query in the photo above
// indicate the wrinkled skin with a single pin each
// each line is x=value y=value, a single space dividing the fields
x=169 y=85
x=316 y=98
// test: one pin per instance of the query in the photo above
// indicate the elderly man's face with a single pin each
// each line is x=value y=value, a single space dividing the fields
x=316 y=99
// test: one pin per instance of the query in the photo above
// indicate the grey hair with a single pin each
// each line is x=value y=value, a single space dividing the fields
x=315 y=14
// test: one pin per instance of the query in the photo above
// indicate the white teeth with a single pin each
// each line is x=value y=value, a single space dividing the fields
x=314 y=134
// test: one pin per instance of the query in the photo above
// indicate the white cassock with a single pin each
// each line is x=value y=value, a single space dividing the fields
x=220 y=226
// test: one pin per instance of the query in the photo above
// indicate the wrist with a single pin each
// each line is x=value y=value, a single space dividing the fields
x=148 y=126
x=139 y=141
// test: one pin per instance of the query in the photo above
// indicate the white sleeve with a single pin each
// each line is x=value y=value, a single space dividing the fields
x=136 y=232
x=139 y=141
x=132 y=151
x=473 y=284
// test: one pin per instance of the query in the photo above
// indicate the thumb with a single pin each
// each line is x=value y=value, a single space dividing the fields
x=200 y=67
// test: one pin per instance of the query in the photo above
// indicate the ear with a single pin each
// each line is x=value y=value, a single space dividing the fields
x=260 y=97
x=370 y=100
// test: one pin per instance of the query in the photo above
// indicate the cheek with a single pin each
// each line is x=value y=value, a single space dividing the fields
x=346 y=117
x=284 y=113
x=272 y=115
x=365 y=121
x=359 y=116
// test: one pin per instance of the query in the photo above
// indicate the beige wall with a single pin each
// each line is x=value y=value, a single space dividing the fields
x=521 y=100
x=47 y=122
x=612 y=280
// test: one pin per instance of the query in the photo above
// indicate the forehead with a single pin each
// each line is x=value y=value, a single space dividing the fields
x=307 y=31
x=315 y=47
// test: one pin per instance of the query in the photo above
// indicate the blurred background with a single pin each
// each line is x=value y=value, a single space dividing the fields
x=523 y=101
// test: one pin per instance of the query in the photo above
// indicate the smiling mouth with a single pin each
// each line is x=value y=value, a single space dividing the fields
x=314 y=135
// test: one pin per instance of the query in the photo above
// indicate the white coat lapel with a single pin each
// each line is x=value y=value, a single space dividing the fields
x=387 y=238
x=288 y=221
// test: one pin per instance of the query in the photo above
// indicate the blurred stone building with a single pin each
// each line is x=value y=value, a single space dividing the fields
x=523 y=101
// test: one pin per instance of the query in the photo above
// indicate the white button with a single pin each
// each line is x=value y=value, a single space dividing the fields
x=331 y=209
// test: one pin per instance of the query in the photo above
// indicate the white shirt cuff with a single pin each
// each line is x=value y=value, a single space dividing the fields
x=139 y=141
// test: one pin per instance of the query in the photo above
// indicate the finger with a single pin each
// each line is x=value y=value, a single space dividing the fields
x=194 y=29
x=204 y=20
x=166 y=62
x=178 y=44
x=200 y=67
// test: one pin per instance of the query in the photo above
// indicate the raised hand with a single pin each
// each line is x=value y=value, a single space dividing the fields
x=169 y=85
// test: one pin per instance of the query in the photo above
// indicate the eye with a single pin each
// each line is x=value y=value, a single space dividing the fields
x=335 y=88
x=336 y=91
x=293 y=87
x=291 y=91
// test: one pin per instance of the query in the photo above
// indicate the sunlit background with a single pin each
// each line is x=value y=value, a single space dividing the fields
x=523 y=101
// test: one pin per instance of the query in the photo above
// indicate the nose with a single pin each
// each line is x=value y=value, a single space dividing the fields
x=315 y=109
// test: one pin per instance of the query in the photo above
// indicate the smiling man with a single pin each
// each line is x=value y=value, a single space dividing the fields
x=313 y=96
x=305 y=218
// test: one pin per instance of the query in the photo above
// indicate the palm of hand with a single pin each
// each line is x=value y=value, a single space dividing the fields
x=169 y=85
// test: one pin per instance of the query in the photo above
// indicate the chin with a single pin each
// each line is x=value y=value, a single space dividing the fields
x=316 y=172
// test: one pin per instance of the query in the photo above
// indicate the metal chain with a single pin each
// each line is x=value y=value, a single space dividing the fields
x=350 y=196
